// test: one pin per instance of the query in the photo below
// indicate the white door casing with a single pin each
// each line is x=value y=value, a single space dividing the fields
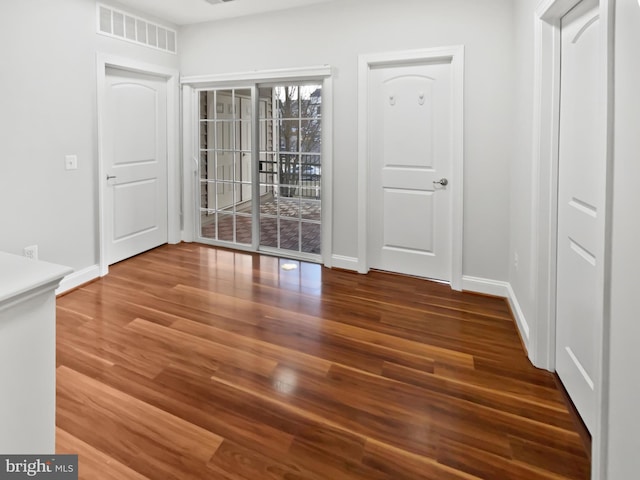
x=135 y=162
x=544 y=223
x=581 y=200
x=411 y=151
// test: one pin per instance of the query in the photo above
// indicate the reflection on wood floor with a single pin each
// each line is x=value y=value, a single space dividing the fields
x=190 y=362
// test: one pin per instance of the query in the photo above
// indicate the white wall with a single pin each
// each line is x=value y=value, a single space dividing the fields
x=336 y=33
x=48 y=99
x=521 y=234
x=624 y=385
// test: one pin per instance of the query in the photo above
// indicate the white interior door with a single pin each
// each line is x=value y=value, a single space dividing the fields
x=581 y=193
x=135 y=146
x=410 y=167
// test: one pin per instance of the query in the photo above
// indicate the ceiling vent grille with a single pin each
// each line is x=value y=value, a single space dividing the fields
x=118 y=24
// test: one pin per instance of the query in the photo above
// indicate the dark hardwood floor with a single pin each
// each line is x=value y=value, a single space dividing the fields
x=190 y=362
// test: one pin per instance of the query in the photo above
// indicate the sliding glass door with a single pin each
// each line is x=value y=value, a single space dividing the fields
x=266 y=196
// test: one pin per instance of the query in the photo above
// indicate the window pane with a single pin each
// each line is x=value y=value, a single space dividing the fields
x=288 y=131
x=289 y=207
x=141 y=29
x=288 y=175
x=289 y=234
x=207 y=197
x=311 y=237
x=311 y=209
x=243 y=229
x=206 y=105
x=266 y=136
x=244 y=133
x=310 y=100
x=269 y=232
x=225 y=227
x=208 y=224
x=311 y=136
x=287 y=101
x=224 y=136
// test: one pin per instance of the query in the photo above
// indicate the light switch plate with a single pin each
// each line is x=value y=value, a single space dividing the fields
x=71 y=162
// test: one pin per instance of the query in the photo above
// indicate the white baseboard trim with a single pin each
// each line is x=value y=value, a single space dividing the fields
x=346 y=263
x=76 y=279
x=500 y=289
x=486 y=286
x=521 y=321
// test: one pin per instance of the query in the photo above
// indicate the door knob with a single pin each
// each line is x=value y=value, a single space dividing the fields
x=443 y=181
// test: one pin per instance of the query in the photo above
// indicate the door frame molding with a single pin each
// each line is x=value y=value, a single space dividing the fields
x=104 y=61
x=455 y=54
x=544 y=213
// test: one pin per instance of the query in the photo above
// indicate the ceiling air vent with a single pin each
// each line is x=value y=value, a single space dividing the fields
x=119 y=24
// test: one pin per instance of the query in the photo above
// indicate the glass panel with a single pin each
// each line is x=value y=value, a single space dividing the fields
x=311 y=209
x=287 y=101
x=266 y=99
x=207 y=190
x=310 y=168
x=289 y=162
x=118 y=24
x=225 y=135
x=245 y=95
x=224 y=195
x=162 y=38
x=311 y=136
x=152 y=32
x=310 y=100
x=130 y=27
x=266 y=136
x=208 y=225
x=288 y=131
x=268 y=204
x=289 y=207
x=288 y=174
x=105 y=20
x=225 y=227
x=269 y=232
x=204 y=164
x=244 y=135
x=267 y=163
x=207 y=135
x=207 y=102
x=142 y=31
x=171 y=41
x=311 y=237
x=289 y=234
x=243 y=229
x=244 y=169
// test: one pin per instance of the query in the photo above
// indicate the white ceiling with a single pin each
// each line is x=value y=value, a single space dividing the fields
x=185 y=12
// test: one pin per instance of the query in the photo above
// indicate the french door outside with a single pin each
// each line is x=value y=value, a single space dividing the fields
x=263 y=191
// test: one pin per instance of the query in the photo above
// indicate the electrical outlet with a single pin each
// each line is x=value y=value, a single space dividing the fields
x=31 y=252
